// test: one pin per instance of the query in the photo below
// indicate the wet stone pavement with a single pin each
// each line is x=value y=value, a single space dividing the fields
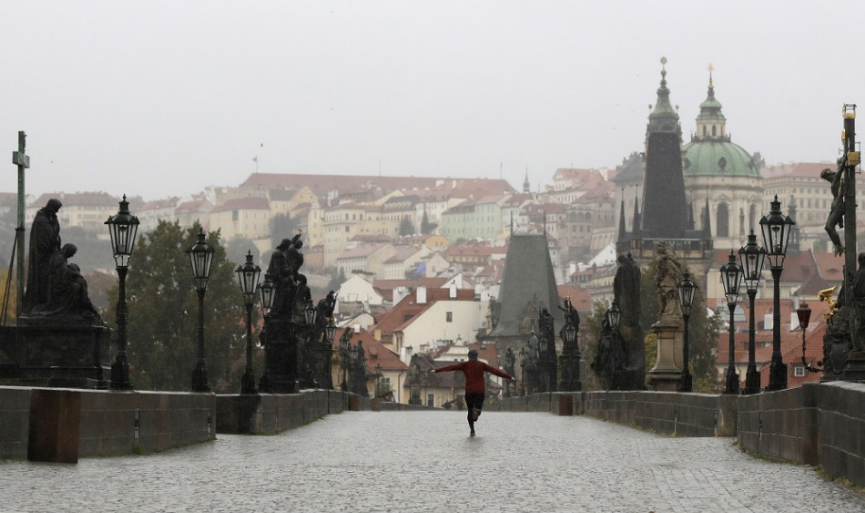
x=424 y=461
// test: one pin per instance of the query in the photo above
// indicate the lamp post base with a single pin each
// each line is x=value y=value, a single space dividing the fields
x=752 y=381
x=247 y=383
x=732 y=386
x=777 y=375
x=199 y=378
x=120 y=374
x=687 y=383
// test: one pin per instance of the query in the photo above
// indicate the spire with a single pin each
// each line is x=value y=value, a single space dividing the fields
x=707 y=224
x=622 y=228
x=711 y=124
x=527 y=187
x=664 y=117
x=637 y=220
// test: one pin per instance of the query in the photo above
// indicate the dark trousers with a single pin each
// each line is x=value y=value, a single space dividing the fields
x=474 y=402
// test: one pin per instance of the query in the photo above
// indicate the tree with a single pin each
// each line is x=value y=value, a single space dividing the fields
x=237 y=248
x=162 y=321
x=426 y=227
x=703 y=332
x=337 y=280
x=282 y=226
x=405 y=227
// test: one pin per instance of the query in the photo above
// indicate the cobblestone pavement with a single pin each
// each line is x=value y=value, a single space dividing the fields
x=423 y=462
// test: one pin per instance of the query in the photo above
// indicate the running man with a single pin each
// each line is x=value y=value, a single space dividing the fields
x=475 y=391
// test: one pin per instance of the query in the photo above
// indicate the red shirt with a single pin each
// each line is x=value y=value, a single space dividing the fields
x=474 y=372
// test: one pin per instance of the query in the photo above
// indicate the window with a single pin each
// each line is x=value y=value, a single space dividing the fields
x=449 y=316
x=430 y=399
x=799 y=372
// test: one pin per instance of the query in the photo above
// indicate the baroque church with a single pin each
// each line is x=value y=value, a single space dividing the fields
x=723 y=175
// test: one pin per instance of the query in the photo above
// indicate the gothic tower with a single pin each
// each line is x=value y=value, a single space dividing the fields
x=664 y=213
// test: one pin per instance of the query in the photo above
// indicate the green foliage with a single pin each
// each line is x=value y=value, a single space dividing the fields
x=237 y=248
x=426 y=227
x=282 y=226
x=702 y=330
x=405 y=227
x=162 y=326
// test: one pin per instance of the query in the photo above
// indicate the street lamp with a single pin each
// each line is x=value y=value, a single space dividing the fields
x=687 y=291
x=265 y=297
x=614 y=315
x=751 y=258
x=201 y=258
x=122 y=227
x=344 y=352
x=731 y=275
x=570 y=353
x=247 y=276
x=377 y=380
x=776 y=229
x=804 y=314
x=309 y=313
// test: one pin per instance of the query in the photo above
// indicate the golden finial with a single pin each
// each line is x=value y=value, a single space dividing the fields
x=711 y=69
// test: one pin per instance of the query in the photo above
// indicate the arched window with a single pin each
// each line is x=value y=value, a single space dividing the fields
x=723 y=220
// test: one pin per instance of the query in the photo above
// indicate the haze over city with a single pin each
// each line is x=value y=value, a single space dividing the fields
x=164 y=98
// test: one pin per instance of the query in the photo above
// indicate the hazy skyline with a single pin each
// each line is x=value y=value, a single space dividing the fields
x=164 y=98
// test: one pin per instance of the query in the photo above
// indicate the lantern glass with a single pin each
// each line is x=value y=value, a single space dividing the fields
x=687 y=291
x=265 y=292
x=776 y=228
x=122 y=228
x=201 y=258
x=570 y=333
x=247 y=277
x=330 y=330
x=309 y=313
x=731 y=275
x=804 y=314
x=752 y=257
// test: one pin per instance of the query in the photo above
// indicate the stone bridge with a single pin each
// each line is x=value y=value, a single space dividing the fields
x=548 y=452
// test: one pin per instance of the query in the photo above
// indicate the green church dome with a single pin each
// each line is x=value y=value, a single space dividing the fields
x=711 y=152
x=721 y=158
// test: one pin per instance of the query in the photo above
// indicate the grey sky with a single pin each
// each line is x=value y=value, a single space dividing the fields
x=163 y=97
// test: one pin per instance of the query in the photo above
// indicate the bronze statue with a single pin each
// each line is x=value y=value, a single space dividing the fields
x=836 y=213
x=667 y=279
x=44 y=242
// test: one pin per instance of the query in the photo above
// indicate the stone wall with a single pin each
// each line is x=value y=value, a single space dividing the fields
x=268 y=414
x=47 y=424
x=14 y=421
x=818 y=424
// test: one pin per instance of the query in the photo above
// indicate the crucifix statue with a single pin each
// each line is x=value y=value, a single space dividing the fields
x=22 y=160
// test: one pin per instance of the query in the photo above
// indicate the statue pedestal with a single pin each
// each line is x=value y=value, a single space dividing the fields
x=55 y=355
x=855 y=368
x=667 y=372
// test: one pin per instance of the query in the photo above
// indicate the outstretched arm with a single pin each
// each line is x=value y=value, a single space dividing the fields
x=450 y=368
x=502 y=374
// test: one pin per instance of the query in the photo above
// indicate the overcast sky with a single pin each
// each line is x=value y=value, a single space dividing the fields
x=163 y=98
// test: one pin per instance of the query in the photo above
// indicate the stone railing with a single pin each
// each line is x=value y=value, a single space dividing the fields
x=819 y=424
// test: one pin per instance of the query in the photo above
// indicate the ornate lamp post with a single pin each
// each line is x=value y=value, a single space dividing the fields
x=247 y=276
x=122 y=227
x=570 y=359
x=344 y=355
x=751 y=258
x=377 y=380
x=731 y=275
x=329 y=333
x=776 y=228
x=201 y=258
x=265 y=297
x=543 y=364
x=687 y=291
x=804 y=315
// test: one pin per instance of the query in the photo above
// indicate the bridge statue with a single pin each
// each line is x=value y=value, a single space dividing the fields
x=60 y=338
x=669 y=329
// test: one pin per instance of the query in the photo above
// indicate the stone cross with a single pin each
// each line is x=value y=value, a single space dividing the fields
x=22 y=160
